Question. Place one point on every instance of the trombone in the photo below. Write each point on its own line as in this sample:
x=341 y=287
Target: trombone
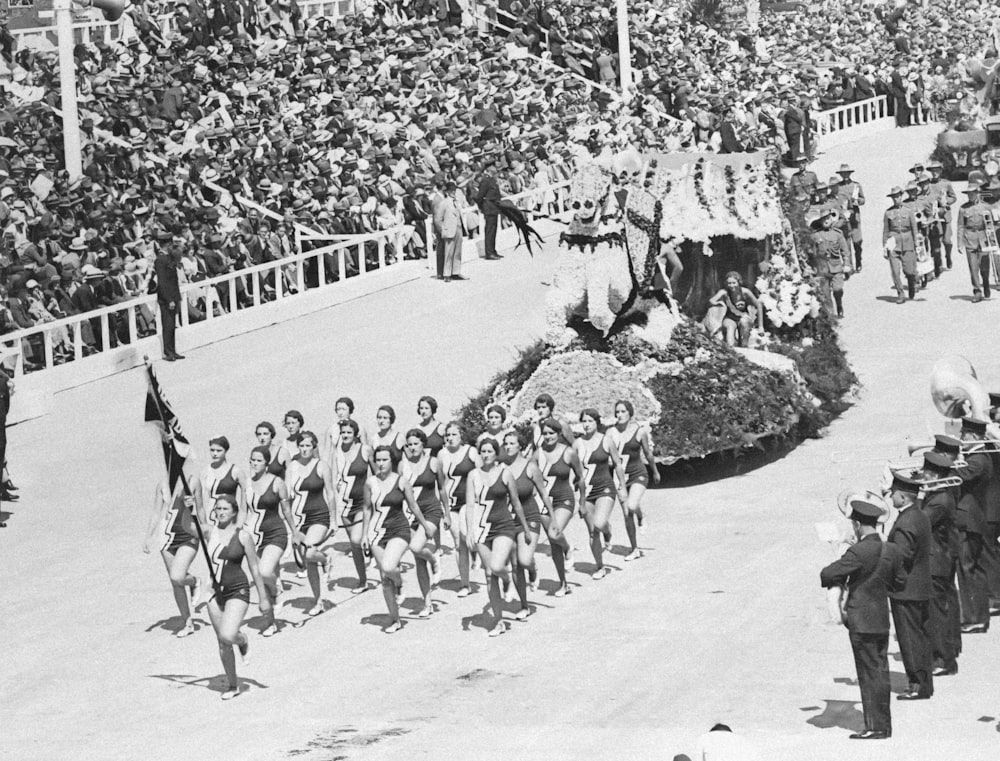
x=980 y=446
x=928 y=485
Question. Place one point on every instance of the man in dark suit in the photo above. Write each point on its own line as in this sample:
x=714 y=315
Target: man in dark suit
x=7 y=489
x=869 y=570
x=976 y=476
x=911 y=533
x=168 y=297
x=487 y=199
x=897 y=89
x=939 y=505
x=793 y=123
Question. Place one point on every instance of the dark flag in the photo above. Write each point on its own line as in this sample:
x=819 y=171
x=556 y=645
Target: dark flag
x=175 y=444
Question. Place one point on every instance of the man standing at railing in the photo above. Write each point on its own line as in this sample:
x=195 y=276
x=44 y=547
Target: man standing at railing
x=487 y=199
x=448 y=221
x=168 y=297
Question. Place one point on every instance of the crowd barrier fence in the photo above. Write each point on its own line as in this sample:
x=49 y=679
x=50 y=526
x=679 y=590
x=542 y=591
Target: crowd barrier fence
x=852 y=120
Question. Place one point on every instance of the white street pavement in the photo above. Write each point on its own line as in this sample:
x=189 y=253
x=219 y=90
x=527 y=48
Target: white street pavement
x=723 y=620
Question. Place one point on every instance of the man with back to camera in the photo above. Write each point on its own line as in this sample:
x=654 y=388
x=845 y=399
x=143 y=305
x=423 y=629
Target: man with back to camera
x=168 y=297
x=869 y=569
x=488 y=199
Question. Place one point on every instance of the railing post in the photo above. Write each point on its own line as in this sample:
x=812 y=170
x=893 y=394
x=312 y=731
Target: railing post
x=320 y=270
x=381 y=252
x=185 y=317
x=362 y=258
x=342 y=262
x=300 y=275
x=279 y=285
x=47 y=346
x=78 y=339
x=133 y=328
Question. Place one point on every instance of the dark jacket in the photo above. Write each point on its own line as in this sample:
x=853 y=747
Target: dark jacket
x=976 y=477
x=167 y=287
x=939 y=507
x=869 y=574
x=488 y=195
x=912 y=534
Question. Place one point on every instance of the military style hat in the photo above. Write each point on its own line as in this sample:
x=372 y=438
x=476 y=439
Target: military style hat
x=905 y=484
x=947 y=445
x=938 y=463
x=974 y=425
x=864 y=511
x=896 y=191
x=845 y=169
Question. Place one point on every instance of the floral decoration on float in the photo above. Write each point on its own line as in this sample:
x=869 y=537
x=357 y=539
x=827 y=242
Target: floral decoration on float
x=614 y=329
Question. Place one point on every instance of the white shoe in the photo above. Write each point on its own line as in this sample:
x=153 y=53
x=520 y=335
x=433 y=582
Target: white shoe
x=509 y=593
x=245 y=651
x=196 y=593
x=279 y=599
x=499 y=629
x=634 y=554
x=300 y=574
x=563 y=591
x=608 y=546
x=316 y=609
x=425 y=612
x=464 y=592
x=522 y=614
x=600 y=573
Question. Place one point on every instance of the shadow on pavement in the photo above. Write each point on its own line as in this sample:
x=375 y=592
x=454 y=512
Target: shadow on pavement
x=839 y=713
x=216 y=683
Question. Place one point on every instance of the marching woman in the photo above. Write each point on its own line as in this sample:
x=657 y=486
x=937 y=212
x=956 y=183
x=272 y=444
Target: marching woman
x=424 y=473
x=351 y=466
x=293 y=424
x=636 y=452
x=427 y=408
x=173 y=523
x=343 y=408
x=228 y=546
x=267 y=502
x=601 y=466
x=496 y=417
x=545 y=407
x=220 y=477
x=494 y=518
x=458 y=460
x=386 y=434
x=528 y=478
x=278 y=459
x=559 y=463
x=387 y=528
x=311 y=489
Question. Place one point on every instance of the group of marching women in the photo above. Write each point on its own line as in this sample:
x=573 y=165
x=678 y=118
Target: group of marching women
x=395 y=492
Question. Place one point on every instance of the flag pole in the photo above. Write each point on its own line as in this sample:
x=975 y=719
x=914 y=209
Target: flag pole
x=184 y=483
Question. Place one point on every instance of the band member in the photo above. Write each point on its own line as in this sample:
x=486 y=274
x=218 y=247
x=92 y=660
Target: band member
x=944 y=194
x=869 y=570
x=972 y=241
x=899 y=233
x=853 y=198
x=911 y=533
x=972 y=583
x=939 y=505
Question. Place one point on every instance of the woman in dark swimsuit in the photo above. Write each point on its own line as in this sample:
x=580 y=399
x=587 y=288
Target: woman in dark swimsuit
x=530 y=482
x=387 y=528
x=220 y=477
x=427 y=408
x=228 y=546
x=267 y=503
x=277 y=463
x=311 y=488
x=737 y=300
x=636 y=452
x=601 y=467
x=173 y=524
x=386 y=434
x=494 y=518
x=496 y=424
x=458 y=460
x=351 y=466
x=559 y=464
x=424 y=473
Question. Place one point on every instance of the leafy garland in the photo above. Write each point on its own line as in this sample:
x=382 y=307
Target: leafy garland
x=582 y=241
x=730 y=173
x=652 y=230
x=699 y=187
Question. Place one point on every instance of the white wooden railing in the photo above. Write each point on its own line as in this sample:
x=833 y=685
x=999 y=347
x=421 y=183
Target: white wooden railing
x=92 y=30
x=852 y=119
x=260 y=286
x=331 y=9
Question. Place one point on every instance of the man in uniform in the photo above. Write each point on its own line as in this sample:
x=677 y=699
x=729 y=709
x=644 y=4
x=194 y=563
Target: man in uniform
x=945 y=197
x=869 y=570
x=831 y=258
x=899 y=230
x=911 y=533
x=976 y=475
x=853 y=196
x=939 y=505
x=804 y=178
x=971 y=241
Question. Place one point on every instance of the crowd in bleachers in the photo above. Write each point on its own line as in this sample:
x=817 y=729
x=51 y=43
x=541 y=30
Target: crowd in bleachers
x=346 y=126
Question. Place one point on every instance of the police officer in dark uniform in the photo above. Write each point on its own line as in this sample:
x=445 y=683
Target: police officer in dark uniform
x=938 y=503
x=976 y=475
x=971 y=241
x=869 y=569
x=831 y=258
x=911 y=533
x=900 y=225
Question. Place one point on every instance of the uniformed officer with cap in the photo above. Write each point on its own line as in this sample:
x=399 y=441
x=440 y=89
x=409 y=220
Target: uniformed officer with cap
x=899 y=226
x=804 y=179
x=976 y=475
x=870 y=570
x=831 y=258
x=853 y=198
x=939 y=504
x=971 y=241
x=931 y=226
x=921 y=210
x=911 y=533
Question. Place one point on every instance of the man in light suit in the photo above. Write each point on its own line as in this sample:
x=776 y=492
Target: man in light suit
x=436 y=198
x=448 y=220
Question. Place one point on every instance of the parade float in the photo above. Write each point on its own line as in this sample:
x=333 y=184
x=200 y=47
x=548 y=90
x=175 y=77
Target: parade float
x=650 y=241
